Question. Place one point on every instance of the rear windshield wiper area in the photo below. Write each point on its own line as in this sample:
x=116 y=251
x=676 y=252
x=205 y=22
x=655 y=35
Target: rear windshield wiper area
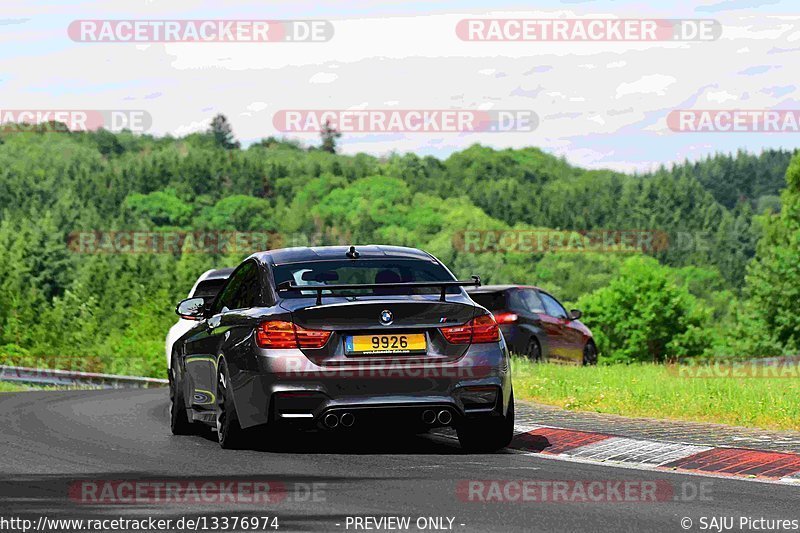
x=401 y=287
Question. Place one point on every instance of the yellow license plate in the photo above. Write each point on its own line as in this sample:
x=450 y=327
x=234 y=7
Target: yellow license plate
x=379 y=344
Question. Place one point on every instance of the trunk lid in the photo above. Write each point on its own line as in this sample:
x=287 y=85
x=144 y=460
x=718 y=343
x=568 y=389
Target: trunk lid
x=367 y=316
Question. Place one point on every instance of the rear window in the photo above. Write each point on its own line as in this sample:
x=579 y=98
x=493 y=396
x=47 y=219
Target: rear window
x=360 y=271
x=493 y=301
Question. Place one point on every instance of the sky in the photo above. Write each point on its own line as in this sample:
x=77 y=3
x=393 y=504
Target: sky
x=599 y=104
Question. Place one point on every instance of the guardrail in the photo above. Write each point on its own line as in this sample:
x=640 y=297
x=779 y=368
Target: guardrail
x=68 y=378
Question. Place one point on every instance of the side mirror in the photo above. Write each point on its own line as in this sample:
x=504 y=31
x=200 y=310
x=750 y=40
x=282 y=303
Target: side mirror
x=575 y=314
x=191 y=308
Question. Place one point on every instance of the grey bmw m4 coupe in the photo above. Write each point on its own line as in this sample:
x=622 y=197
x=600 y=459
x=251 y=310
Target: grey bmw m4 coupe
x=339 y=339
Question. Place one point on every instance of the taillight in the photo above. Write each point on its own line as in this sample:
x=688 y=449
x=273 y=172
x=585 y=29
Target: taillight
x=277 y=334
x=280 y=334
x=458 y=334
x=311 y=338
x=505 y=318
x=478 y=330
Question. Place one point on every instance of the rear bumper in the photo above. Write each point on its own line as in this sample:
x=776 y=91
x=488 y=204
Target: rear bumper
x=291 y=389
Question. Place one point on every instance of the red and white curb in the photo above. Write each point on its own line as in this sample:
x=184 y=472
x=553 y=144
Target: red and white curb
x=586 y=446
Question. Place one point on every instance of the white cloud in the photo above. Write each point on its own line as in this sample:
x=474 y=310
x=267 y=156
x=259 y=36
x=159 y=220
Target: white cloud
x=720 y=96
x=323 y=77
x=651 y=84
x=614 y=92
x=193 y=127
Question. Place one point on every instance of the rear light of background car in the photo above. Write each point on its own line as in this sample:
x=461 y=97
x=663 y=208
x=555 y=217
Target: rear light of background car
x=505 y=318
x=478 y=330
x=279 y=334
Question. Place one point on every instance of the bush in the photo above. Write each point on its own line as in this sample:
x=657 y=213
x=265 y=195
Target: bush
x=644 y=315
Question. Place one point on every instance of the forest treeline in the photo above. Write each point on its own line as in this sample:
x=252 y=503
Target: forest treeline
x=724 y=285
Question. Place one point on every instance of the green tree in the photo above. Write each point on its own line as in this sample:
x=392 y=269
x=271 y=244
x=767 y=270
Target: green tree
x=773 y=278
x=240 y=212
x=161 y=208
x=222 y=132
x=643 y=315
x=329 y=136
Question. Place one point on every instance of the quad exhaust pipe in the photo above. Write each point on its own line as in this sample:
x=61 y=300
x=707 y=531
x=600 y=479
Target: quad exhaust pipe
x=347 y=420
x=331 y=420
x=430 y=417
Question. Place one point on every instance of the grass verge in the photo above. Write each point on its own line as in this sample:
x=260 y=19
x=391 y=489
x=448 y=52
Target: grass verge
x=11 y=387
x=653 y=391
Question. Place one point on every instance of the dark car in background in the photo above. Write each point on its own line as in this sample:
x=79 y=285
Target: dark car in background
x=536 y=325
x=336 y=339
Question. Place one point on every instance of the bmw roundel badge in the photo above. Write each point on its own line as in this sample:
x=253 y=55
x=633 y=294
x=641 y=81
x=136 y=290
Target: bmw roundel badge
x=386 y=317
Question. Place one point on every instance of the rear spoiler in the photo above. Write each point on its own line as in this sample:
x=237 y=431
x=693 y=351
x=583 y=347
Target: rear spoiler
x=441 y=285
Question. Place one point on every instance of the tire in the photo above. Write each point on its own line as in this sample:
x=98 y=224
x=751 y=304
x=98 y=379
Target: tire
x=179 y=422
x=589 y=354
x=484 y=436
x=534 y=351
x=229 y=433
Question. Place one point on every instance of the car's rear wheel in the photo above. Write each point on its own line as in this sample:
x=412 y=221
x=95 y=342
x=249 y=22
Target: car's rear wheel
x=179 y=422
x=534 y=350
x=229 y=433
x=589 y=354
x=487 y=435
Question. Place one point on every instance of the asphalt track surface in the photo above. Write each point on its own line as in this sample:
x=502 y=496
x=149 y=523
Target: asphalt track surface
x=50 y=440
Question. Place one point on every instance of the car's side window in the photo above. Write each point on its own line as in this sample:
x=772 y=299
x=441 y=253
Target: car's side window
x=552 y=307
x=532 y=301
x=515 y=301
x=525 y=300
x=228 y=298
x=249 y=292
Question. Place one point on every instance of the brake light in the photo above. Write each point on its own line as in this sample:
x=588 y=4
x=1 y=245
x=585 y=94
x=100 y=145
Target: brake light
x=311 y=338
x=478 y=330
x=458 y=334
x=281 y=335
x=505 y=318
x=277 y=334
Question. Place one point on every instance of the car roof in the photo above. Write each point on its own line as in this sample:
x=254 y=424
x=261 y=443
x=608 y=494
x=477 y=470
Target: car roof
x=216 y=273
x=284 y=256
x=498 y=288
x=213 y=274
